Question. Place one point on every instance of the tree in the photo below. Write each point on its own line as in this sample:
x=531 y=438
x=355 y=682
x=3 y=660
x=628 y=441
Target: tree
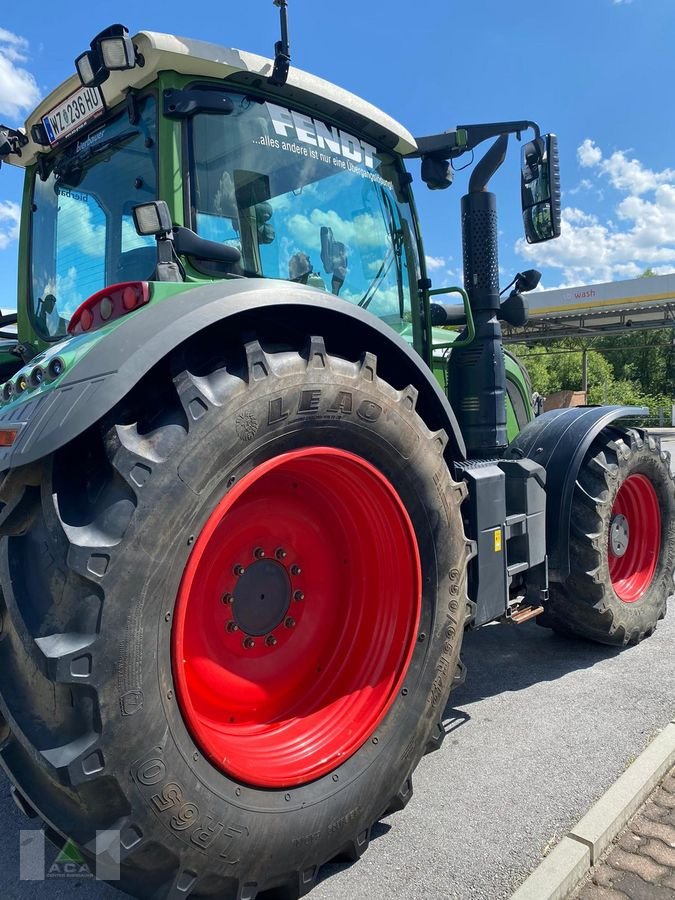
x=618 y=370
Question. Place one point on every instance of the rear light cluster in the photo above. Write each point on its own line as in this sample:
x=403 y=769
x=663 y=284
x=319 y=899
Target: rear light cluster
x=32 y=377
x=109 y=304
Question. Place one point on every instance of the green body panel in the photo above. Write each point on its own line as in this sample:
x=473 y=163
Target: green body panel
x=26 y=332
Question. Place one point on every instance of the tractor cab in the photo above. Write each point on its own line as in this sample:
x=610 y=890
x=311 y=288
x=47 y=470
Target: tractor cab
x=308 y=186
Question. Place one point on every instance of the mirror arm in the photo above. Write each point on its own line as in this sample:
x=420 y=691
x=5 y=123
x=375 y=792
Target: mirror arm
x=451 y=144
x=479 y=133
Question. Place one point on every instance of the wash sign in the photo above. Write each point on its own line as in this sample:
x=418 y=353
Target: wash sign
x=292 y=125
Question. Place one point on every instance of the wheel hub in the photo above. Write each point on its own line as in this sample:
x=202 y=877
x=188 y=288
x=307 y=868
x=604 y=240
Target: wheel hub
x=632 y=563
x=301 y=562
x=619 y=535
x=261 y=597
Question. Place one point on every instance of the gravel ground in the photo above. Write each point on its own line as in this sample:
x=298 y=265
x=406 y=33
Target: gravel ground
x=541 y=728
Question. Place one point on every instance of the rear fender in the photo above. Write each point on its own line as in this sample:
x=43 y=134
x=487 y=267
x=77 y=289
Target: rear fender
x=52 y=416
x=559 y=440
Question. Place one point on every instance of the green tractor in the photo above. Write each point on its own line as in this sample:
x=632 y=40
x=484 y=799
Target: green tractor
x=253 y=492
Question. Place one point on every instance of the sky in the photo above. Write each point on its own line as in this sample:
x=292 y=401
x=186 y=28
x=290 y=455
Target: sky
x=598 y=73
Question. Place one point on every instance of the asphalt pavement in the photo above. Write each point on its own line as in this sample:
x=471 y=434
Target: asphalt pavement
x=541 y=728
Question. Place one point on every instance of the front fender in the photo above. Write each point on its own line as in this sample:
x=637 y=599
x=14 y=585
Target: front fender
x=558 y=440
x=52 y=416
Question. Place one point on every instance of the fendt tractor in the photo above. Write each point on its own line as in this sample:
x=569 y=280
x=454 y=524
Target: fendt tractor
x=258 y=477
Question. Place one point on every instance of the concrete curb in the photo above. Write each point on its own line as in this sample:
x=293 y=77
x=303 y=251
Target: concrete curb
x=562 y=870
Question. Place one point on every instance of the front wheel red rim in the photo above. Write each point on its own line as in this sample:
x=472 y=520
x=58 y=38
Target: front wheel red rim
x=296 y=617
x=634 y=538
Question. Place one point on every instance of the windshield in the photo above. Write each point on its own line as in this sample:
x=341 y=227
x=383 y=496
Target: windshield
x=83 y=235
x=306 y=202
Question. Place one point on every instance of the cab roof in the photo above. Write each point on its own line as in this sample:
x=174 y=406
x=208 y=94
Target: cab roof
x=166 y=52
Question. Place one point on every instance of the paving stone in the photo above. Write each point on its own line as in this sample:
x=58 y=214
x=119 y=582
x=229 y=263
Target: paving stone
x=603 y=876
x=660 y=853
x=634 y=887
x=665 y=799
x=664 y=832
x=669 y=783
x=653 y=811
x=595 y=892
x=646 y=868
x=630 y=842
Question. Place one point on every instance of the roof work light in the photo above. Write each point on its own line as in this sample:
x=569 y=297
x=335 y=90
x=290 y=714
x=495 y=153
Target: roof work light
x=111 y=50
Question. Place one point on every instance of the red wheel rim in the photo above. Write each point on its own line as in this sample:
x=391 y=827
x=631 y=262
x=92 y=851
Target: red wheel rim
x=632 y=572
x=283 y=670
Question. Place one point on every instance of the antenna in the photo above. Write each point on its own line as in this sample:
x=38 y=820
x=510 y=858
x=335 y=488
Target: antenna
x=282 y=54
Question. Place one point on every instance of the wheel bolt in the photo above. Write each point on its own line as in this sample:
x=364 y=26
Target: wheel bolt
x=280 y=553
x=296 y=570
x=248 y=643
x=290 y=622
x=298 y=595
x=270 y=640
x=228 y=598
x=239 y=570
x=259 y=553
x=232 y=627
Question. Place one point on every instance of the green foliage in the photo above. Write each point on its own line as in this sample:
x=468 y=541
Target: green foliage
x=633 y=369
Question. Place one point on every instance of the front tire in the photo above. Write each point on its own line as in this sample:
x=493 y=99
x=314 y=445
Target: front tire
x=622 y=544
x=149 y=676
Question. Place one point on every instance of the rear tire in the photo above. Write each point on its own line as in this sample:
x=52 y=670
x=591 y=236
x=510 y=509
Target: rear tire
x=622 y=543
x=99 y=732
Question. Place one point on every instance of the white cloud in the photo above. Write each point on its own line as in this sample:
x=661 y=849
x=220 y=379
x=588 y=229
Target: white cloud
x=588 y=154
x=77 y=225
x=18 y=88
x=364 y=230
x=641 y=236
x=584 y=186
x=435 y=262
x=623 y=173
x=9 y=222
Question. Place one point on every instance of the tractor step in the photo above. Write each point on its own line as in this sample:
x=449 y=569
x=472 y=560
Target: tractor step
x=525 y=614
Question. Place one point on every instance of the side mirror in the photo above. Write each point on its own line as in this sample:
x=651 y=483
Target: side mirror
x=540 y=189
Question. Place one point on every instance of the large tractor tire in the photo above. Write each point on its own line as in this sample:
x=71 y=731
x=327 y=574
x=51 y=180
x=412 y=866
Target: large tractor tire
x=232 y=621
x=622 y=543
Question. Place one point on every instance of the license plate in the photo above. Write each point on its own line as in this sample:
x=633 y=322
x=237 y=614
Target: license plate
x=74 y=113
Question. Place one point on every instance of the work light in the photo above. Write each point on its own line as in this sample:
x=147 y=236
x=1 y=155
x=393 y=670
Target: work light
x=111 y=50
x=85 y=69
x=118 y=52
x=152 y=218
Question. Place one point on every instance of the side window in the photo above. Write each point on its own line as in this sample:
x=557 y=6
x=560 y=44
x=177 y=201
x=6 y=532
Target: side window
x=80 y=255
x=82 y=234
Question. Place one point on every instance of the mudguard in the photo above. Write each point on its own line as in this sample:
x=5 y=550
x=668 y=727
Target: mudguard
x=52 y=416
x=558 y=441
